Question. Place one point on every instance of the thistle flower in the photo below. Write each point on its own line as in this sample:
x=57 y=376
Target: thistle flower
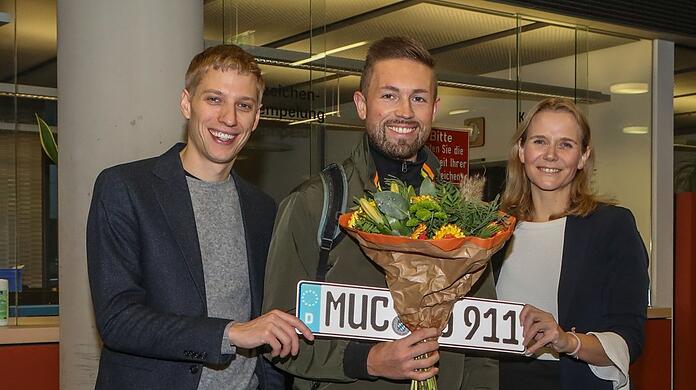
x=471 y=187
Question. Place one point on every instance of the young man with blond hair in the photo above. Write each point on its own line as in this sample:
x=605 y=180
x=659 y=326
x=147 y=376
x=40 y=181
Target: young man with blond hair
x=176 y=249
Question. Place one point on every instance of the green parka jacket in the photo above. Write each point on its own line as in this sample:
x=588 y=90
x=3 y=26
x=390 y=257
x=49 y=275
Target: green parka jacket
x=293 y=256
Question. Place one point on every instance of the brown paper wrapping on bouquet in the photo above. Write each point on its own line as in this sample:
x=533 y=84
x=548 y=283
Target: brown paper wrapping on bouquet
x=426 y=277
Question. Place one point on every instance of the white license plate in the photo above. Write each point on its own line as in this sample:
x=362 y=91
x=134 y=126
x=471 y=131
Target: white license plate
x=359 y=312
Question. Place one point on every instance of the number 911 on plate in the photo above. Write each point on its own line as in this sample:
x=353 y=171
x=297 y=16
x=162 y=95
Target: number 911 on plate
x=359 y=312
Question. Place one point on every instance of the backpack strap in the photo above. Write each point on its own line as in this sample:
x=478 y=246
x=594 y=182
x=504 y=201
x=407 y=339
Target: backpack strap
x=333 y=179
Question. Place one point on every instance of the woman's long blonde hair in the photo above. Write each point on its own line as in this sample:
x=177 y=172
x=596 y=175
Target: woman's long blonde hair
x=517 y=197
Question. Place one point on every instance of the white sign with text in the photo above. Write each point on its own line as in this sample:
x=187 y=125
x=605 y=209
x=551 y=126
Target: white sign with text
x=359 y=312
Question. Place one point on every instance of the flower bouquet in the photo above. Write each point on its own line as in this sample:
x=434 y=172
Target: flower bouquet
x=433 y=246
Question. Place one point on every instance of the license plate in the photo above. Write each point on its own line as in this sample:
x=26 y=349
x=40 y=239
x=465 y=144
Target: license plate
x=367 y=313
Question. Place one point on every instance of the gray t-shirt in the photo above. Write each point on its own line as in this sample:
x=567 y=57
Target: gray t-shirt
x=223 y=251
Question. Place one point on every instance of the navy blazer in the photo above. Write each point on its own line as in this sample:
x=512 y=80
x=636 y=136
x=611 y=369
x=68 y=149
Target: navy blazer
x=146 y=276
x=603 y=285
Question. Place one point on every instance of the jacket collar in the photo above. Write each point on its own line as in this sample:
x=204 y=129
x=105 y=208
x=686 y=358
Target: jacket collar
x=175 y=200
x=168 y=166
x=576 y=240
x=365 y=164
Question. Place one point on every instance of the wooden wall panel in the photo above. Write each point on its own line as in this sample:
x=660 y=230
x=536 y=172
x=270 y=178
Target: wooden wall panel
x=30 y=366
x=685 y=291
x=652 y=369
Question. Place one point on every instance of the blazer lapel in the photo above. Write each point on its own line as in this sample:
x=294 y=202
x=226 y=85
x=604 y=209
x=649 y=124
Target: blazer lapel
x=575 y=243
x=252 y=233
x=175 y=200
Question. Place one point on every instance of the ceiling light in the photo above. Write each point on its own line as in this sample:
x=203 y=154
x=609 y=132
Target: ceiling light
x=312 y=119
x=635 y=130
x=629 y=88
x=460 y=111
x=28 y=95
x=245 y=37
x=329 y=52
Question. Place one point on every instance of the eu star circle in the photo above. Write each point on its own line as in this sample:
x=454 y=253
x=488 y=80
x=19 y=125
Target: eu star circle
x=310 y=298
x=398 y=327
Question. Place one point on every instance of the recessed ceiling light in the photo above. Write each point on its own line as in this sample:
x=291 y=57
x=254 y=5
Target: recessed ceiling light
x=457 y=112
x=635 y=130
x=629 y=88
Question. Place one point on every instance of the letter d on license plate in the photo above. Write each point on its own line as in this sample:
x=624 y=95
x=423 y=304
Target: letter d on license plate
x=359 y=312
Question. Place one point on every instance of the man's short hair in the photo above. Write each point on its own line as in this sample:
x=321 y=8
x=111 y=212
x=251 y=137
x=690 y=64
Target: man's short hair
x=395 y=48
x=223 y=58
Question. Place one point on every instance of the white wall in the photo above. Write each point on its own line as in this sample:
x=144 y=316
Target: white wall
x=624 y=160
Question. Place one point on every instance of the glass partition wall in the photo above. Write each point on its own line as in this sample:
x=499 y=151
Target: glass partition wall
x=492 y=67
x=28 y=182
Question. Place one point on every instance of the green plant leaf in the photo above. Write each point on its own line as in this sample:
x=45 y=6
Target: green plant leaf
x=48 y=143
x=427 y=187
x=398 y=228
x=392 y=204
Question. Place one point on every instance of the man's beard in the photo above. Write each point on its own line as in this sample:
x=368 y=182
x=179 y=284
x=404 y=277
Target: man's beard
x=400 y=150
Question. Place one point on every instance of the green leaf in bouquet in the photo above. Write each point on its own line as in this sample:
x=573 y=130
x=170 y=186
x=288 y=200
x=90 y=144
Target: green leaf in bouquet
x=367 y=225
x=440 y=215
x=449 y=196
x=384 y=229
x=424 y=214
x=399 y=228
x=478 y=218
x=488 y=231
x=427 y=187
x=426 y=204
x=392 y=204
x=412 y=222
x=398 y=186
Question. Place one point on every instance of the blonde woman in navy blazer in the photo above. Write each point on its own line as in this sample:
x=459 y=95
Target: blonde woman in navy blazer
x=599 y=267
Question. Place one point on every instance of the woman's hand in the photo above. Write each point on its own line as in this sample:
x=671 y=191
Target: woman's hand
x=540 y=327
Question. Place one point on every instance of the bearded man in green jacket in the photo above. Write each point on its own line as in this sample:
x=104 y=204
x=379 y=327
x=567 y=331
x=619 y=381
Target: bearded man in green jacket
x=397 y=100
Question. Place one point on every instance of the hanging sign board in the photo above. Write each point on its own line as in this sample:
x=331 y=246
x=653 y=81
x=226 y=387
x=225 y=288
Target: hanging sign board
x=452 y=149
x=359 y=312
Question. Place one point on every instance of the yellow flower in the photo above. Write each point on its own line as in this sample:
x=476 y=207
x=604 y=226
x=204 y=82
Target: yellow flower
x=419 y=198
x=448 y=231
x=420 y=233
x=353 y=219
x=370 y=209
